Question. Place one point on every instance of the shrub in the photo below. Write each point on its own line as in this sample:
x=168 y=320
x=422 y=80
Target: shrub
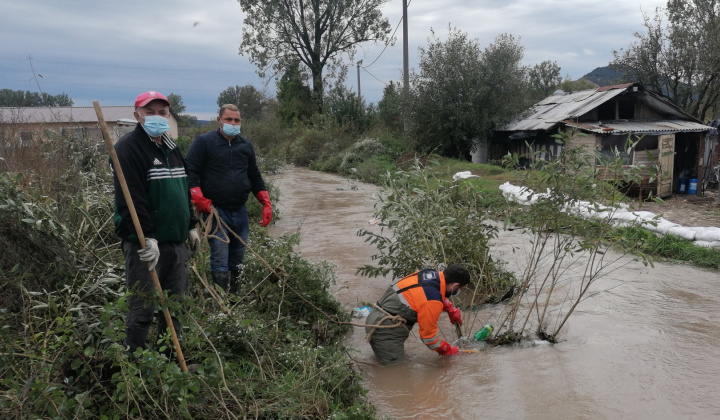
x=430 y=222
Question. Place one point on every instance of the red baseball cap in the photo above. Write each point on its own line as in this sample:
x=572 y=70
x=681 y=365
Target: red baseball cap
x=147 y=97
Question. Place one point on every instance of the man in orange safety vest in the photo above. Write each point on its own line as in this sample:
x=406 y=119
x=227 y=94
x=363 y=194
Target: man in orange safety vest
x=418 y=298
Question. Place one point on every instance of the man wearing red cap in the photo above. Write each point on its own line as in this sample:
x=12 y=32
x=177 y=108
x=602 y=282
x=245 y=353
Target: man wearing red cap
x=154 y=172
x=223 y=172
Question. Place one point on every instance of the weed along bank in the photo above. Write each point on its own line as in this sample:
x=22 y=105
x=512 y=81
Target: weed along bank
x=662 y=135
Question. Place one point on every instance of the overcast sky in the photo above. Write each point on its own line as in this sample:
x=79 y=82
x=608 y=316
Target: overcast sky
x=111 y=51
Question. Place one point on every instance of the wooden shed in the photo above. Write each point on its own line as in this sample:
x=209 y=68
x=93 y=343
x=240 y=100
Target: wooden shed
x=606 y=116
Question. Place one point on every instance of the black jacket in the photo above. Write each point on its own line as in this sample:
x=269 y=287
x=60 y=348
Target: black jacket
x=226 y=171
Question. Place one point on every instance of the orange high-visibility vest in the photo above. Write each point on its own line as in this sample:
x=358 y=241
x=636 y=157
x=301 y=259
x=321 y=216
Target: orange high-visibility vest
x=423 y=291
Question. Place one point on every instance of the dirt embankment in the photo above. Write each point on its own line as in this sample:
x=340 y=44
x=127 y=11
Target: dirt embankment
x=687 y=210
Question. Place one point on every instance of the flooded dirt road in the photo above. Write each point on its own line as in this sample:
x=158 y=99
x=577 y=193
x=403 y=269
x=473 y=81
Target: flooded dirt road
x=646 y=346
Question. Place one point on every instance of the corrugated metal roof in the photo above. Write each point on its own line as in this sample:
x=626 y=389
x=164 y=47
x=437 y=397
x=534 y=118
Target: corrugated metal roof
x=553 y=110
x=63 y=114
x=638 y=126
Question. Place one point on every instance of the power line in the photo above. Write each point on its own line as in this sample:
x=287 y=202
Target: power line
x=373 y=76
x=387 y=44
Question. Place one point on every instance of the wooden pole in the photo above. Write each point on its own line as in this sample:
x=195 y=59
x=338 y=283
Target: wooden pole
x=138 y=230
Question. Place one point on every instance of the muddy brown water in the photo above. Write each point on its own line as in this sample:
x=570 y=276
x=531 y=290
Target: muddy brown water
x=646 y=346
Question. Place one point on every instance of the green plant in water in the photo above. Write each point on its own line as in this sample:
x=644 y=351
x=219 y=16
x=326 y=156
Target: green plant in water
x=570 y=228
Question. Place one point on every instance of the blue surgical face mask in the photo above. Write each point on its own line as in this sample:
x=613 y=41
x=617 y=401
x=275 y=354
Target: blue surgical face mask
x=156 y=125
x=230 y=130
x=457 y=292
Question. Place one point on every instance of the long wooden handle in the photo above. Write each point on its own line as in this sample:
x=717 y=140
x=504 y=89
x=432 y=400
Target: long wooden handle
x=138 y=230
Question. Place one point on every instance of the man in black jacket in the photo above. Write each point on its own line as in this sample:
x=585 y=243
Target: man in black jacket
x=154 y=172
x=223 y=172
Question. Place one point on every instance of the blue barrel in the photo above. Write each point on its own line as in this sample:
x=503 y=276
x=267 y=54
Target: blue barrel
x=692 y=188
x=682 y=186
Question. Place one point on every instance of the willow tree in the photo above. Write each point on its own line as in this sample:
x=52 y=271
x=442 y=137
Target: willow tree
x=317 y=33
x=679 y=58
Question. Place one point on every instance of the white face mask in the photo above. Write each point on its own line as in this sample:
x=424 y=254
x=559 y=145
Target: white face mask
x=457 y=292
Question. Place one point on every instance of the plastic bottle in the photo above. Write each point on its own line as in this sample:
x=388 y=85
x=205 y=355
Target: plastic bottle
x=484 y=332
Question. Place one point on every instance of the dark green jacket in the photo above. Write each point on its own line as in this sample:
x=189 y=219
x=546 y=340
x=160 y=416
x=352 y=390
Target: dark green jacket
x=158 y=184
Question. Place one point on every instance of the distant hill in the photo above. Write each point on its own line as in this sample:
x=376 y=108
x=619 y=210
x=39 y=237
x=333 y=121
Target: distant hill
x=604 y=76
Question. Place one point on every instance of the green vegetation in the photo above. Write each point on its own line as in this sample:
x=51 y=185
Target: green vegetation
x=20 y=98
x=272 y=351
x=430 y=222
x=670 y=58
x=482 y=90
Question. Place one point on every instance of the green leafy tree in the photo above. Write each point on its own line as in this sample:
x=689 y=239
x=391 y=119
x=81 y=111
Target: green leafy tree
x=252 y=102
x=20 y=98
x=569 y=85
x=462 y=93
x=294 y=96
x=319 y=34
x=177 y=106
x=61 y=99
x=678 y=59
x=347 y=110
x=544 y=79
x=389 y=110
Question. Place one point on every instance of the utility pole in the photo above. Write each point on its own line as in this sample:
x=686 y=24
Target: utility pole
x=358 y=75
x=406 y=71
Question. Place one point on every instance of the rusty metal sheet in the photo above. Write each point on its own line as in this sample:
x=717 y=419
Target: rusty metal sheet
x=638 y=126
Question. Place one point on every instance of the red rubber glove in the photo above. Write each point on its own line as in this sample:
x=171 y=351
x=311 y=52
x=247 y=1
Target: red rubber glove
x=446 y=349
x=264 y=199
x=453 y=312
x=202 y=204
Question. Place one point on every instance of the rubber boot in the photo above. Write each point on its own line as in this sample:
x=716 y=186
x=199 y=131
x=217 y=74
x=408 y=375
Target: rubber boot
x=234 y=281
x=222 y=279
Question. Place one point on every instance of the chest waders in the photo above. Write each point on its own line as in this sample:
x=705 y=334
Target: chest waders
x=388 y=344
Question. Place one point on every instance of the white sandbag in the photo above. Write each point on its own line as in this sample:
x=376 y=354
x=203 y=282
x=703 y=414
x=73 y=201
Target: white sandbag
x=684 y=232
x=708 y=234
x=663 y=226
x=706 y=244
x=644 y=215
x=708 y=237
x=463 y=175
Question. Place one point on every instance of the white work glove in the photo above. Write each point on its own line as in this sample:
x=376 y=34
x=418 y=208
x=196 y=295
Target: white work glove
x=194 y=238
x=150 y=253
